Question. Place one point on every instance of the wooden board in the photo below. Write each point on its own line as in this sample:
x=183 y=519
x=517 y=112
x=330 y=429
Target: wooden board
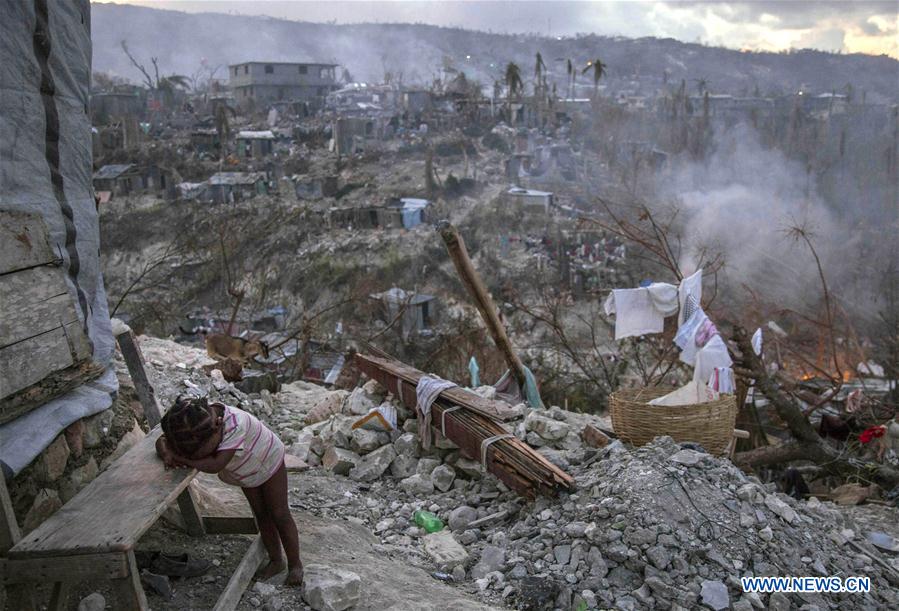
x=37 y=301
x=23 y=242
x=66 y=568
x=54 y=385
x=29 y=361
x=241 y=577
x=113 y=511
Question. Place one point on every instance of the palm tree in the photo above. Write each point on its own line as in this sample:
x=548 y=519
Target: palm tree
x=599 y=71
x=539 y=68
x=514 y=84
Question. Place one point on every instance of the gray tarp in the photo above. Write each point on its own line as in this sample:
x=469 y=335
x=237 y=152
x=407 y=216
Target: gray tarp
x=45 y=168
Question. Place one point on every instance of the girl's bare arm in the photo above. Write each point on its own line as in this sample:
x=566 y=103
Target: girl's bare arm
x=209 y=464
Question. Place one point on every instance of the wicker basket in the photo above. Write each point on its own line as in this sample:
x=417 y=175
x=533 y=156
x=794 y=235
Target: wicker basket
x=636 y=422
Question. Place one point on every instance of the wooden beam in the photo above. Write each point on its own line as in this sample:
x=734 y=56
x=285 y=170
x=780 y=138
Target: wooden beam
x=9 y=528
x=136 y=369
x=187 y=504
x=23 y=242
x=455 y=245
x=241 y=577
x=59 y=596
x=66 y=568
x=128 y=591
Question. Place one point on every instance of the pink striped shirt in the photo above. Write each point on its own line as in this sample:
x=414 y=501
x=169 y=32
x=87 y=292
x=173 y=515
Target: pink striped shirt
x=259 y=451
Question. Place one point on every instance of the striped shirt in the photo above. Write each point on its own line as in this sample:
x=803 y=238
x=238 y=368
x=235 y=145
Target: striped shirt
x=259 y=451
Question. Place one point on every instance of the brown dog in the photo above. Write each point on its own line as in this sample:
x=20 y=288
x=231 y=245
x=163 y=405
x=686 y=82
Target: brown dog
x=221 y=347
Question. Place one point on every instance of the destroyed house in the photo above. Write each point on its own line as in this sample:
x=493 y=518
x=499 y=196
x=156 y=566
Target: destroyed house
x=397 y=213
x=107 y=107
x=264 y=83
x=416 y=309
x=205 y=140
x=255 y=144
x=530 y=200
x=417 y=100
x=353 y=134
x=128 y=178
x=229 y=187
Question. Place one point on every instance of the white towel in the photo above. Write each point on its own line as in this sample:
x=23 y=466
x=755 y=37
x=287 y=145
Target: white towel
x=635 y=313
x=689 y=287
x=427 y=391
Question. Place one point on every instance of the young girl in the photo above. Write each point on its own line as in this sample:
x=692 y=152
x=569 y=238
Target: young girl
x=216 y=438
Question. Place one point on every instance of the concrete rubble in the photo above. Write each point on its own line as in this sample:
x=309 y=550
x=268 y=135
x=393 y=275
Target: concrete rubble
x=654 y=527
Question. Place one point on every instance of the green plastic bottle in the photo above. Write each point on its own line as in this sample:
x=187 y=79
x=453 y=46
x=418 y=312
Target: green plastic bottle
x=428 y=521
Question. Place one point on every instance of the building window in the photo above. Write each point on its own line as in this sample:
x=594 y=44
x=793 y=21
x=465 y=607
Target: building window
x=246 y=69
x=235 y=70
x=269 y=69
x=304 y=69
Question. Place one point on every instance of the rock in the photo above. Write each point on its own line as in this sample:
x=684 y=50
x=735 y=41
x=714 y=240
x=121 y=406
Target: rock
x=780 y=508
x=75 y=437
x=359 y=402
x=594 y=438
x=127 y=441
x=92 y=602
x=562 y=553
x=688 y=457
x=330 y=589
x=257 y=382
x=218 y=380
x=444 y=551
x=461 y=517
x=537 y=593
x=459 y=573
x=325 y=408
x=45 y=504
x=407 y=445
x=470 y=468
x=714 y=595
x=404 y=465
x=52 y=461
x=778 y=601
x=372 y=465
x=492 y=559
x=442 y=477
x=302 y=447
x=85 y=474
x=548 y=428
x=265 y=590
x=293 y=464
x=363 y=441
x=442 y=443
x=659 y=557
x=340 y=461
x=575 y=530
x=597 y=563
x=426 y=466
x=417 y=485
x=96 y=428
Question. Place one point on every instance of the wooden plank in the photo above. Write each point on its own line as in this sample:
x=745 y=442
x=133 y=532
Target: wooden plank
x=54 y=385
x=9 y=528
x=31 y=360
x=66 y=568
x=59 y=596
x=23 y=241
x=128 y=591
x=241 y=577
x=34 y=301
x=192 y=520
x=135 y=362
x=230 y=525
x=113 y=511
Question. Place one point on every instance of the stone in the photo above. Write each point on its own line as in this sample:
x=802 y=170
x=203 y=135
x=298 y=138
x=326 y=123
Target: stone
x=442 y=477
x=461 y=517
x=265 y=590
x=426 y=466
x=492 y=559
x=52 y=461
x=687 y=457
x=659 y=557
x=778 y=601
x=327 y=588
x=74 y=434
x=96 y=428
x=293 y=464
x=340 y=461
x=363 y=441
x=407 y=445
x=598 y=566
x=92 y=602
x=780 y=508
x=444 y=551
x=742 y=605
x=257 y=382
x=594 y=438
x=325 y=408
x=85 y=474
x=549 y=429
x=417 y=485
x=575 y=530
x=127 y=442
x=443 y=443
x=359 y=402
x=459 y=573
x=372 y=465
x=403 y=466
x=45 y=504
x=714 y=595
x=470 y=468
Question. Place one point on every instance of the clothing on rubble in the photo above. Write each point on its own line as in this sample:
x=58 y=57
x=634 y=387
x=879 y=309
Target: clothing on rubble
x=427 y=391
x=641 y=311
x=722 y=380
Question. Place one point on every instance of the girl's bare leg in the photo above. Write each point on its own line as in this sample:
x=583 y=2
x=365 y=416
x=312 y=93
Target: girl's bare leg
x=274 y=492
x=268 y=530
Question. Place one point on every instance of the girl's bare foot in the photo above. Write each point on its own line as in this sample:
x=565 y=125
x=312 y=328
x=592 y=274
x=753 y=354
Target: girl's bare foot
x=294 y=576
x=270 y=570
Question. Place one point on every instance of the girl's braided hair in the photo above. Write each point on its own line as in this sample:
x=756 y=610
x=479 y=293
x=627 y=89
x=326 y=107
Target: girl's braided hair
x=189 y=423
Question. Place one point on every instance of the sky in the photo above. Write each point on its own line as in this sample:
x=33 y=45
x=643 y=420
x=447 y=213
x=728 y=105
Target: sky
x=848 y=26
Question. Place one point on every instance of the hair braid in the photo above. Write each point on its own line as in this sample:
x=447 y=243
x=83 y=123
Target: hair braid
x=189 y=423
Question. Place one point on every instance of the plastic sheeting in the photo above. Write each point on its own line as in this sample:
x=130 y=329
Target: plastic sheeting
x=45 y=168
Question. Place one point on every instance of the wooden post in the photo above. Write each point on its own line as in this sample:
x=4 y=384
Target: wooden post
x=455 y=245
x=128 y=591
x=147 y=396
x=18 y=595
x=241 y=577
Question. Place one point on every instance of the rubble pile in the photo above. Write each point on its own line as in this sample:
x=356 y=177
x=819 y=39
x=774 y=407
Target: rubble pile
x=662 y=526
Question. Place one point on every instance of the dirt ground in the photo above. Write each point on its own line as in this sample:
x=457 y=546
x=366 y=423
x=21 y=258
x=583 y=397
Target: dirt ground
x=392 y=578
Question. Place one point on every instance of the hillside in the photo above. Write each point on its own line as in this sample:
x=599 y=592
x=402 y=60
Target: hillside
x=182 y=40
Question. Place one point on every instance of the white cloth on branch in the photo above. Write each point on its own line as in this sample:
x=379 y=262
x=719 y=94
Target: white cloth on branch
x=427 y=391
x=722 y=380
x=690 y=286
x=713 y=354
x=641 y=311
x=686 y=336
x=757 y=341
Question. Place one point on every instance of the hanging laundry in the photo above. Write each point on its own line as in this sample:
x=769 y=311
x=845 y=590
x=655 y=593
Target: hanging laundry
x=687 y=334
x=757 y=341
x=689 y=287
x=722 y=380
x=664 y=297
x=427 y=391
x=713 y=354
x=635 y=313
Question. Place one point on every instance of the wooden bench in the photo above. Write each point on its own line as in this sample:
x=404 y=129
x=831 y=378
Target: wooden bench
x=93 y=535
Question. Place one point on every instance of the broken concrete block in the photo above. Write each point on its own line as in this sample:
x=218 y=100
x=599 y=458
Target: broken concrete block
x=427 y=465
x=328 y=588
x=359 y=403
x=444 y=551
x=340 y=461
x=492 y=559
x=714 y=595
x=327 y=407
x=417 y=484
x=442 y=477
x=470 y=468
x=407 y=444
x=780 y=508
x=403 y=466
x=364 y=441
x=371 y=466
x=548 y=428
x=461 y=517
x=594 y=438
x=294 y=464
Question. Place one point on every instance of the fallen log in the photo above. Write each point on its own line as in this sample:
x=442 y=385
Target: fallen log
x=471 y=422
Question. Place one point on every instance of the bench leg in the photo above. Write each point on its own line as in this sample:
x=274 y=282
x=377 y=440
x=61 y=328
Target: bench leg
x=188 y=505
x=60 y=596
x=128 y=591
